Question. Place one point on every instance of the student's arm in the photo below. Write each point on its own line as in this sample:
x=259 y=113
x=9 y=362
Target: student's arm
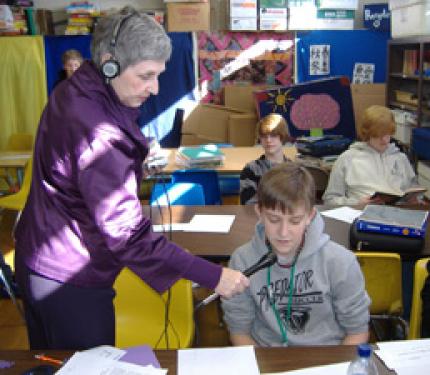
x=241 y=340
x=355 y=339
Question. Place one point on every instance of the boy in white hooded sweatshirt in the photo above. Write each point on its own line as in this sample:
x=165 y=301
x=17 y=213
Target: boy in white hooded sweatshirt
x=314 y=294
x=372 y=165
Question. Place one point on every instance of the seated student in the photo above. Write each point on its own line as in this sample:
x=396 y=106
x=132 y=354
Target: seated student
x=314 y=294
x=372 y=165
x=72 y=60
x=272 y=132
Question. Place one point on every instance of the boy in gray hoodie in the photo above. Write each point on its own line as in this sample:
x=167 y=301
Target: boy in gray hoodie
x=314 y=294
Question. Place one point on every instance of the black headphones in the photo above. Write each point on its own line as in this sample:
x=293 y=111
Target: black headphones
x=111 y=68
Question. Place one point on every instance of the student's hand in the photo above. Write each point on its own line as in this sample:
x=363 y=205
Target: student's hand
x=369 y=200
x=231 y=282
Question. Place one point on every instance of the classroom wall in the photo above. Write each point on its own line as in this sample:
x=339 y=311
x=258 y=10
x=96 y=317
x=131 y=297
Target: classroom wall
x=158 y=4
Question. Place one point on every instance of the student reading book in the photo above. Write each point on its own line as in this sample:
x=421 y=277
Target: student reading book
x=372 y=165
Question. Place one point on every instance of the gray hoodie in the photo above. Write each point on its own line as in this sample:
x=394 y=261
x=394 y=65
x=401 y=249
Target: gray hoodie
x=329 y=300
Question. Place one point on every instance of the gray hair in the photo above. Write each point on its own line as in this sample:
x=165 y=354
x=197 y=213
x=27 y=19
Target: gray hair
x=139 y=38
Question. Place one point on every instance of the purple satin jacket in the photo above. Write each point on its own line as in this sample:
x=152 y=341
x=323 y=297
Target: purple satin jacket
x=83 y=221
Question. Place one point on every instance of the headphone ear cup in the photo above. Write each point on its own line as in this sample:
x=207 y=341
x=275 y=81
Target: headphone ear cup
x=110 y=69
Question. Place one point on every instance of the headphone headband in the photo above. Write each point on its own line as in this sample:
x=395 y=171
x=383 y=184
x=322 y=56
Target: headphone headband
x=111 y=68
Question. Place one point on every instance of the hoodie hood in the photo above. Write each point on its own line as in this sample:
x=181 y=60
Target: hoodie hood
x=315 y=238
x=364 y=146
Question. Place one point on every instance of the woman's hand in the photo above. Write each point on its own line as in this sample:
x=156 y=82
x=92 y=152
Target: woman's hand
x=231 y=282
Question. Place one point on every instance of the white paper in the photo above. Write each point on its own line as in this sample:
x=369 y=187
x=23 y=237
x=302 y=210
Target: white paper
x=319 y=59
x=87 y=363
x=346 y=214
x=215 y=361
x=106 y=351
x=336 y=369
x=176 y=227
x=211 y=223
x=363 y=73
x=408 y=355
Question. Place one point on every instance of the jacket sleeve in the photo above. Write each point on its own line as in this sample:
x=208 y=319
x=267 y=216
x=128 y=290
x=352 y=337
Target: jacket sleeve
x=109 y=185
x=350 y=300
x=239 y=311
x=248 y=185
x=336 y=190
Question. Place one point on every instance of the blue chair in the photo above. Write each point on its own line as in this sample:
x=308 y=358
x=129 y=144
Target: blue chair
x=173 y=193
x=206 y=177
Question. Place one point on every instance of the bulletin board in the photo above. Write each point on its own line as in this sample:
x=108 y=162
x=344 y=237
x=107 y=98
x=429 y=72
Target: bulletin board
x=347 y=47
x=245 y=57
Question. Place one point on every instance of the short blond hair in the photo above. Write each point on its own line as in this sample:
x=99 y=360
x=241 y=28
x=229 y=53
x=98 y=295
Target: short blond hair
x=273 y=124
x=71 y=54
x=377 y=121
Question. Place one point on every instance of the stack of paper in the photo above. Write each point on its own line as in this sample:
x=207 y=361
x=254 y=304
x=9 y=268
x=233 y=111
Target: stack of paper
x=108 y=360
x=204 y=156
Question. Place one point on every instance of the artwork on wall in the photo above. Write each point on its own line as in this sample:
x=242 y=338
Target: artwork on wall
x=248 y=58
x=312 y=108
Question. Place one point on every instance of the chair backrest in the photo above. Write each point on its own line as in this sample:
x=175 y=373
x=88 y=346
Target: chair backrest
x=206 y=177
x=321 y=177
x=383 y=278
x=20 y=142
x=17 y=201
x=140 y=313
x=420 y=275
x=179 y=193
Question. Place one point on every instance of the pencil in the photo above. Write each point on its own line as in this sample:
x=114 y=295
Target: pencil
x=45 y=358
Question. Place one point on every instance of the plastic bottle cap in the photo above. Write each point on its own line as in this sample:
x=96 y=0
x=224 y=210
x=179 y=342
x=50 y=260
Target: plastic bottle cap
x=364 y=350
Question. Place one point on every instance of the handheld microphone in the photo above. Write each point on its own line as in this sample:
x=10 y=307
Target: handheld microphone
x=265 y=261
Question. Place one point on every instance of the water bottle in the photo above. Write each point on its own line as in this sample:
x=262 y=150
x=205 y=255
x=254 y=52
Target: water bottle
x=363 y=364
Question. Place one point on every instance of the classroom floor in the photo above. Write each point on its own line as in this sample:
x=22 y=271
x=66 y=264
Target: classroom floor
x=13 y=333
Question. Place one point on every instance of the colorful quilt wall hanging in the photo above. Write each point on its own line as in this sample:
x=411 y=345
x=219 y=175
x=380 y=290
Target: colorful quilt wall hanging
x=243 y=58
x=312 y=108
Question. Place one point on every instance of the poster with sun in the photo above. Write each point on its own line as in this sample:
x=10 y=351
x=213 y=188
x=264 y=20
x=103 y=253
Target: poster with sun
x=312 y=108
x=242 y=58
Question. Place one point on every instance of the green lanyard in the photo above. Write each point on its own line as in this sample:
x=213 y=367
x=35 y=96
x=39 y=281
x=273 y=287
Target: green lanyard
x=290 y=300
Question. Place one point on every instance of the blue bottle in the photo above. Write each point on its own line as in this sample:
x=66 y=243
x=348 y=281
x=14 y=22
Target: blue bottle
x=363 y=364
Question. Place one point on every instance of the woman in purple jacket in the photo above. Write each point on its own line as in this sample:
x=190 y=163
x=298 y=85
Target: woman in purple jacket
x=83 y=221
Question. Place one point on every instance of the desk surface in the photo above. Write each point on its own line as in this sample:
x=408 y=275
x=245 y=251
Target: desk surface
x=14 y=159
x=269 y=359
x=235 y=158
x=218 y=245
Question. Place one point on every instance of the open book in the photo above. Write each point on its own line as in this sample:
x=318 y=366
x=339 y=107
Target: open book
x=394 y=197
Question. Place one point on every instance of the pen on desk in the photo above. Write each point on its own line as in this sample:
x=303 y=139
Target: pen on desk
x=43 y=357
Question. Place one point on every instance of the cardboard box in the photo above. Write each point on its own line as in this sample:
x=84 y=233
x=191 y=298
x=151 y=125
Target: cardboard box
x=241 y=129
x=243 y=8
x=209 y=123
x=365 y=95
x=188 y=17
x=337 y=4
x=273 y=19
x=241 y=96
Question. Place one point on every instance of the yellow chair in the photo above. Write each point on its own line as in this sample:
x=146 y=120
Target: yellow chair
x=20 y=142
x=383 y=278
x=17 y=201
x=420 y=275
x=140 y=314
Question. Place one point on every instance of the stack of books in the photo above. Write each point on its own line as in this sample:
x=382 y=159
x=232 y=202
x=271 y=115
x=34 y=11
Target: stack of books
x=393 y=220
x=203 y=156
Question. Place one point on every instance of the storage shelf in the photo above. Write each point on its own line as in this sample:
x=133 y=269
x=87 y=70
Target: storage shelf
x=401 y=105
x=404 y=76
